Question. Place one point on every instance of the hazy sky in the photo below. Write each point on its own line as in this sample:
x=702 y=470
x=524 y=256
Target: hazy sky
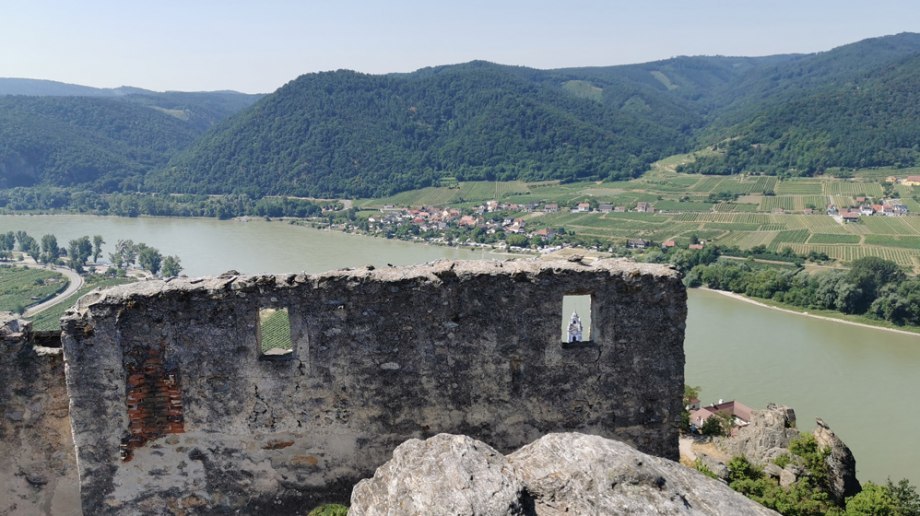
x=258 y=46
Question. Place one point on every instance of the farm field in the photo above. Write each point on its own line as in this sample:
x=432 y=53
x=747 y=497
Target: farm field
x=742 y=210
x=21 y=287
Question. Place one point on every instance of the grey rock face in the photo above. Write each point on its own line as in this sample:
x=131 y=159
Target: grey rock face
x=561 y=474
x=575 y=473
x=445 y=474
x=841 y=463
x=767 y=435
x=38 y=470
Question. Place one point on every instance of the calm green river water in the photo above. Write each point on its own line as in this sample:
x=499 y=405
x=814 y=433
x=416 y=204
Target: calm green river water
x=863 y=382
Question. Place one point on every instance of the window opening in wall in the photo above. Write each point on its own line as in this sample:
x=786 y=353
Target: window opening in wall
x=275 y=333
x=576 y=319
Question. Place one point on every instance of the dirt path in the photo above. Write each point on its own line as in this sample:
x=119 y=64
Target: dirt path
x=75 y=283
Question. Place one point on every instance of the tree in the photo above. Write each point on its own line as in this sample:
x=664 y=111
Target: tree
x=97 y=247
x=171 y=266
x=906 y=497
x=50 y=250
x=79 y=250
x=714 y=425
x=124 y=255
x=869 y=275
x=7 y=241
x=873 y=500
x=149 y=258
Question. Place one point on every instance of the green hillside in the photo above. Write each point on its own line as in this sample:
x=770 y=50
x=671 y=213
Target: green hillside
x=344 y=133
x=872 y=120
x=107 y=143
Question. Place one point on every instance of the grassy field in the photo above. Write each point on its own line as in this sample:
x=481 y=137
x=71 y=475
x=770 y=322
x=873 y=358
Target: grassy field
x=50 y=318
x=685 y=209
x=21 y=287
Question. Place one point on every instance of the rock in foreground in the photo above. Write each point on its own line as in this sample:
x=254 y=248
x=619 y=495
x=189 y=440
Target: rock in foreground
x=564 y=473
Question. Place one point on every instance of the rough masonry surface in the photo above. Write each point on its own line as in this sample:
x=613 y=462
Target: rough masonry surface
x=174 y=405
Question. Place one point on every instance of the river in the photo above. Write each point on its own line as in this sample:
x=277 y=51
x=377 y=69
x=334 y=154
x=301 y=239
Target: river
x=861 y=381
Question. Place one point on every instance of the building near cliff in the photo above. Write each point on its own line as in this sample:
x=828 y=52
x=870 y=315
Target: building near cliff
x=273 y=393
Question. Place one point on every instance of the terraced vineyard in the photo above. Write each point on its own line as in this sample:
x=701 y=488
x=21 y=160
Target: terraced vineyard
x=700 y=206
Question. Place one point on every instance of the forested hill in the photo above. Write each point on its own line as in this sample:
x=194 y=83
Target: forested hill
x=68 y=135
x=349 y=134
x=345 y=133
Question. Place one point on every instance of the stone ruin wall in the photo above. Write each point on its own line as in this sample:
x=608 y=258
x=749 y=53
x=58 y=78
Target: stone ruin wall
x=173 y=405
x=38 y=471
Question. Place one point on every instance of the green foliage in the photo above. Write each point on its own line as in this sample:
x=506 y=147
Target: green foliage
x=872 y=286
x=149 y=258
x=329 y=509
x=702 y=468
x=873 y=500
x=906 y=496
x=714 y=426
x=78 y=251
x=782 y=460
x=477 y=121
x=50 y=251
x=104 y=143
x=171 y=266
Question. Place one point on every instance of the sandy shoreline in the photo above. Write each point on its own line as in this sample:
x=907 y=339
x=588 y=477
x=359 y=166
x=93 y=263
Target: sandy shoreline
x=746 y=299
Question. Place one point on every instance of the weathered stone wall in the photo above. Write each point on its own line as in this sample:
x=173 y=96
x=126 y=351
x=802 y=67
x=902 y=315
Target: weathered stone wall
x=38 y=472
x=172 y=404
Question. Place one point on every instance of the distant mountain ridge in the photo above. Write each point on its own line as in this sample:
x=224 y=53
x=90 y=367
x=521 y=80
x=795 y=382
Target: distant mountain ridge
x=60 y=134
x=349 y=134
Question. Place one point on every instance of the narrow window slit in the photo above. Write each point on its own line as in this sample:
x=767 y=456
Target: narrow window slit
x=576 y=319
x=275 y=341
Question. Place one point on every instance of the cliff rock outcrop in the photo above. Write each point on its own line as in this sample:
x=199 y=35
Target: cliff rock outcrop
x=840 y=462
x=562 y=473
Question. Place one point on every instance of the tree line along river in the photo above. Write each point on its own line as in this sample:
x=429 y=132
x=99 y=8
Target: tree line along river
x=863 y=382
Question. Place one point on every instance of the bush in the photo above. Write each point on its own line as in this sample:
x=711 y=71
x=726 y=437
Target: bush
x=329 y=509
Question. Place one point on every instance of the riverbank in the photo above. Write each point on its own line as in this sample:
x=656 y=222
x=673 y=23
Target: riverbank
x=741 y=297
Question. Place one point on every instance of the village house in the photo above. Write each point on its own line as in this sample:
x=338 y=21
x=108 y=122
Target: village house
x=551 y=208
x=637 y=243
x=605 y=207
x=911 y=181
x=468 y=220
x=620 y=209
x=738 y=413
x=850 y=216
x=866 y=210
x=668 y=244
x=644 y=207
x=695 y=247
x=582 y=207
x=545 y=233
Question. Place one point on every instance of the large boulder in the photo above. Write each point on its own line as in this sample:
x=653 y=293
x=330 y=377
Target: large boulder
x=767 y=435
x=566 y=473
x=840 y=462
x=446 y=474
x=572 y=473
